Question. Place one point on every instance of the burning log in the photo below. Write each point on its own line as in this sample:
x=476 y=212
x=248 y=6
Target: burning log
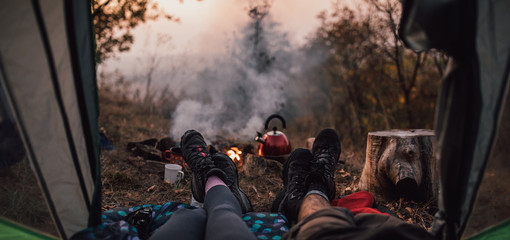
x=151 y=149
x=235 y=154
x=400 y=163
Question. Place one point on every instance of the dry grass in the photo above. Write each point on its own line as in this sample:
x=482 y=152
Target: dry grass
x=22 y=200
x=129 y=181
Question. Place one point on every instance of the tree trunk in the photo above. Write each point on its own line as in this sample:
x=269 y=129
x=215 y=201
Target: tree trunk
x=400 y=163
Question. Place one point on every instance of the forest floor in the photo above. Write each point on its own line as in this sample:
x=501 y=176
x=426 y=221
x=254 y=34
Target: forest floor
x=130 y=180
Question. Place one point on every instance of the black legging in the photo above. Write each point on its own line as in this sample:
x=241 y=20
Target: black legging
x=220 y=219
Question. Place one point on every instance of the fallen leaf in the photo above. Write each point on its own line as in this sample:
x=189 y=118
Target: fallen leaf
x=409 y=210
x=151 y=188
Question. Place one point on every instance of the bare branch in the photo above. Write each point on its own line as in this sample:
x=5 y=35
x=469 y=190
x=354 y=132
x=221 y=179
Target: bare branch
x=417 y=65
x=100 y=8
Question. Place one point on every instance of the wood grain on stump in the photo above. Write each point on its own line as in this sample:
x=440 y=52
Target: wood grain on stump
x=400 y=163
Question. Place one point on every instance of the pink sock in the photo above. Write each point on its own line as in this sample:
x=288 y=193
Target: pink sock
x=213 y=181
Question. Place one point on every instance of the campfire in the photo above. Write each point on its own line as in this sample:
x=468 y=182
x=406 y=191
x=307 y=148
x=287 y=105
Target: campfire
x=235 y=154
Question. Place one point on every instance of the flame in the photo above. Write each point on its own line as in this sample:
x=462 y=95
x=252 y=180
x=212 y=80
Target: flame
x=235 y=154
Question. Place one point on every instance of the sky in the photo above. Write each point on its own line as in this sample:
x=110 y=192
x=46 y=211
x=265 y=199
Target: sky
x=204 y=18
x=206 y=26
x=202 y=61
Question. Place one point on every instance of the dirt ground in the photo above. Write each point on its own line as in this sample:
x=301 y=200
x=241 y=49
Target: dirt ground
x=129 y=180
x=132 y=180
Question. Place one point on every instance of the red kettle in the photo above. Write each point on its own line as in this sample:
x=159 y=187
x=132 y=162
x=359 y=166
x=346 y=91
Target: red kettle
x=274 y=144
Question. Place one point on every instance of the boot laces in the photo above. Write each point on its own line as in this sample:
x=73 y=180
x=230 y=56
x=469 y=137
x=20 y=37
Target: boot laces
x=197 y=158
x=298 y=186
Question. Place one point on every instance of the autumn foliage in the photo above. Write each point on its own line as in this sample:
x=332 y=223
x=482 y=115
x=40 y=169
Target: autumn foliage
x=368 y=80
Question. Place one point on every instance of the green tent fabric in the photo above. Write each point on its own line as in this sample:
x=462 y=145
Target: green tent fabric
x=9 y=230
x=47 y=71
x=475 y=33
x=499 y=232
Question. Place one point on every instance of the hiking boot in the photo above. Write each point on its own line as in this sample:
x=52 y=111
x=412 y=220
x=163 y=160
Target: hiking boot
x=195 y=153
x=224 y=163
x=326 y=152
x=295 y=184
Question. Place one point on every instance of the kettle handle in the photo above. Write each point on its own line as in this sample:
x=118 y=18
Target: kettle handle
x=275 y=116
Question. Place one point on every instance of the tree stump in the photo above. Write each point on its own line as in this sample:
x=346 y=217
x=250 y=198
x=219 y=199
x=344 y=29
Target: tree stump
x=400 y=163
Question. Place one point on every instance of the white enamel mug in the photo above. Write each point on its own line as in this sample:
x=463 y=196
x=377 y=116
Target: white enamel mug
x=173 y=173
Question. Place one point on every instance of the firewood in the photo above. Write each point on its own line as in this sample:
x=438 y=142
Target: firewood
x=400 y=163
x=147 y=152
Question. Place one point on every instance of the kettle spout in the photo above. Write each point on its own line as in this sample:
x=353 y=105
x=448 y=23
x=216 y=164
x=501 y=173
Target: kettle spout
x=259 y=138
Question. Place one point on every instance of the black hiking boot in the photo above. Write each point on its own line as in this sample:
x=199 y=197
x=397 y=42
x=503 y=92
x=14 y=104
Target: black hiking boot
x=195 y=153
x=225 y=163
x=295 y=184
x=326 y=152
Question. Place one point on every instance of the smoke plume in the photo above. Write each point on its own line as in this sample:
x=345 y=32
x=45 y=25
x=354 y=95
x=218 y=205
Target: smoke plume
x=233 y=94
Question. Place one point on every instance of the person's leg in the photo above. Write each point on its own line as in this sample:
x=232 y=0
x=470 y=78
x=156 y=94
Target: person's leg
x=308 y=179
x=340 y=223
x=309 y=175
x=195 y=153
x=326 y=152
x=295 y=184
x=184 y=223
x=215 y=182
x=325 y=223
x=312 y=203
x=225 y=203
x=225 y=163
x=318 y=220
x=224 y=213
x=203 y=165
